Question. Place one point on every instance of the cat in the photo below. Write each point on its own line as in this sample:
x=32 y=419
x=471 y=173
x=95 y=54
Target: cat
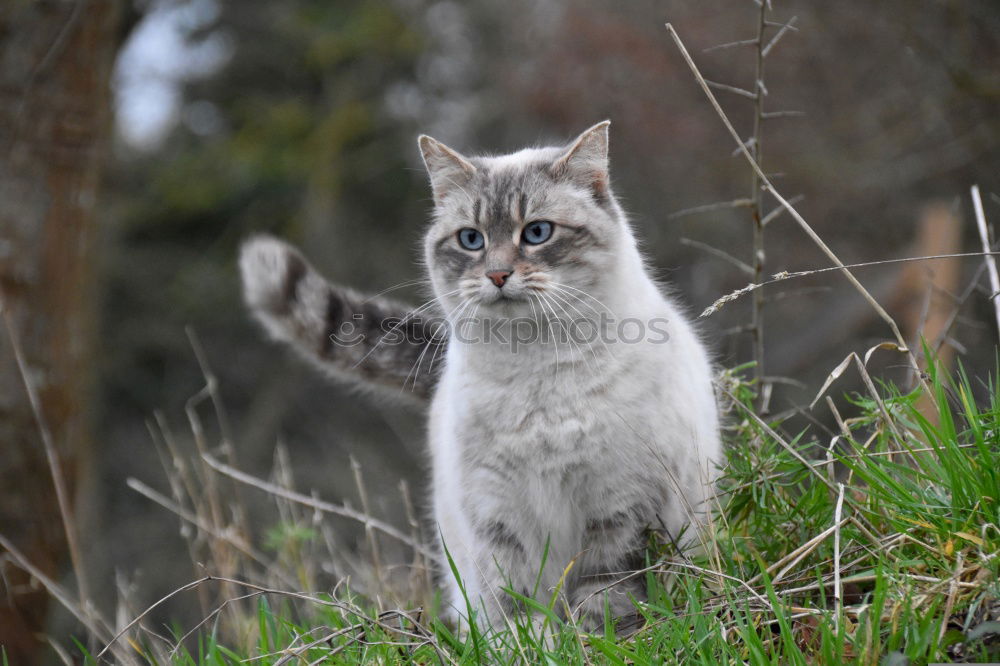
x=572 y=408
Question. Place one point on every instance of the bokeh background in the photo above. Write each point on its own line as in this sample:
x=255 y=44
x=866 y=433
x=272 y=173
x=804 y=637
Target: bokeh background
x=176 y=128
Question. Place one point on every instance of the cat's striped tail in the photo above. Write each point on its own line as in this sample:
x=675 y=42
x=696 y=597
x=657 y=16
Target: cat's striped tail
x=372 y=342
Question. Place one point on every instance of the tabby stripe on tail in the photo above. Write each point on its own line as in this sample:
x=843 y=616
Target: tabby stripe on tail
x=364 y=341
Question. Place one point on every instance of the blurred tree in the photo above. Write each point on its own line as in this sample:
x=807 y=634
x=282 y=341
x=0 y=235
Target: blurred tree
x=55 y=62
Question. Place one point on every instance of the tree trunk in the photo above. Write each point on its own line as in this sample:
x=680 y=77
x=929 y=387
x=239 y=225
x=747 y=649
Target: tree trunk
x=55 y=64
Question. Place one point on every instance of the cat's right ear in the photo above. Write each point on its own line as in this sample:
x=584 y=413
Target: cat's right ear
x=448 y=170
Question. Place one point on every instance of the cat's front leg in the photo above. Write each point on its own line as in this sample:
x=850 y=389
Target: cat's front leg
x=500 y=561
x=614 y=548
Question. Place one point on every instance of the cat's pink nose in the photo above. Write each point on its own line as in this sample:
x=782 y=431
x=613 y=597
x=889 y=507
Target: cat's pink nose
x=499 y=277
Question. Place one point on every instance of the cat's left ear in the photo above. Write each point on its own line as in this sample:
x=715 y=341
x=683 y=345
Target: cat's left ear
x=448 y=170
x=586 y=161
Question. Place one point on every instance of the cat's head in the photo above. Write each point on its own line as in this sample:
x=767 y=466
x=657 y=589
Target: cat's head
x=510 y=229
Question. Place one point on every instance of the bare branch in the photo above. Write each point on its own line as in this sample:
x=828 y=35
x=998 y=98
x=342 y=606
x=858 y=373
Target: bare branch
x=749 y=143
x=959 y=302
x=776 y=213
x=732 y=89
x=735 y=203
x=768 y=115
x=223 y=535
x=729 y=45
x=778 y=24
x=755 y=148
x=781 y=33
x=743 y=266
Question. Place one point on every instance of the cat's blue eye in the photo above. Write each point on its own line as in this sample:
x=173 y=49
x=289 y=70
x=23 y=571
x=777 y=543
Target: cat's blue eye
x=537 y=232
x=471 y=239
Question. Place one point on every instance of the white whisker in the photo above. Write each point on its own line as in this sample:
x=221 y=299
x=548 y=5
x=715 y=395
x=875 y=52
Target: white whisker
x=569 y=335
x=410 y=315
x=401 y=285
x=593 y=298
x=415 y=370
x=558 y=294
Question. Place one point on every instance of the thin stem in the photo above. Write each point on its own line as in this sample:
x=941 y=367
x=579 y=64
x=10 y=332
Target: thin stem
x=757 y=205
x=991 y=264
x=54 y=463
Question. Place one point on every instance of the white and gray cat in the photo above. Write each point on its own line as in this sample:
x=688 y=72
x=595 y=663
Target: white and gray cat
x=564 y=440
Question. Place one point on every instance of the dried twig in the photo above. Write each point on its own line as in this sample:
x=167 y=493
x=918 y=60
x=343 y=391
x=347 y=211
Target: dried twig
x=222 y=535
x=778 y=210
x=778 y=24
x=319 y=505
x=783 y=114
x=52 y=457
x=789 y=561
x=76 y=608
x=419 y=565
x=776 y=437
x=788 y=275
x=729 y=45
x=728 y=88
x=953 y=585
x=735 y=203
x=743 y=266
x=255 y=590
x=781 y=33
x=359 y=481
x=838 y=590
x=960 y=300
x=757 y=208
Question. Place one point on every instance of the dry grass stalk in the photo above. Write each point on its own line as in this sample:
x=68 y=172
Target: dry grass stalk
x=55 y=466
x=781 y=276
x=838 y=589
x=991 y=264
x=789 y=561
x=226 y=536
x=214 y=526
x=369 y=530
x=79 y=609
x=756 y=208
x=320 y=505
x=421 y=568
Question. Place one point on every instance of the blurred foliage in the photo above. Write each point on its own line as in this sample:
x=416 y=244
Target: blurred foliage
x=300 y=146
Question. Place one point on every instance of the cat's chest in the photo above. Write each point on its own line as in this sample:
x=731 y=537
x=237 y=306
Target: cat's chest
x=544 y=417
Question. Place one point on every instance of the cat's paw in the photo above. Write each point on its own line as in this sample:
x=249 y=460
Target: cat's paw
x=270 y=270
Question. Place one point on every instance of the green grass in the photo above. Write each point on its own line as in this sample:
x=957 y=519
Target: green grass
x=913 y=580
